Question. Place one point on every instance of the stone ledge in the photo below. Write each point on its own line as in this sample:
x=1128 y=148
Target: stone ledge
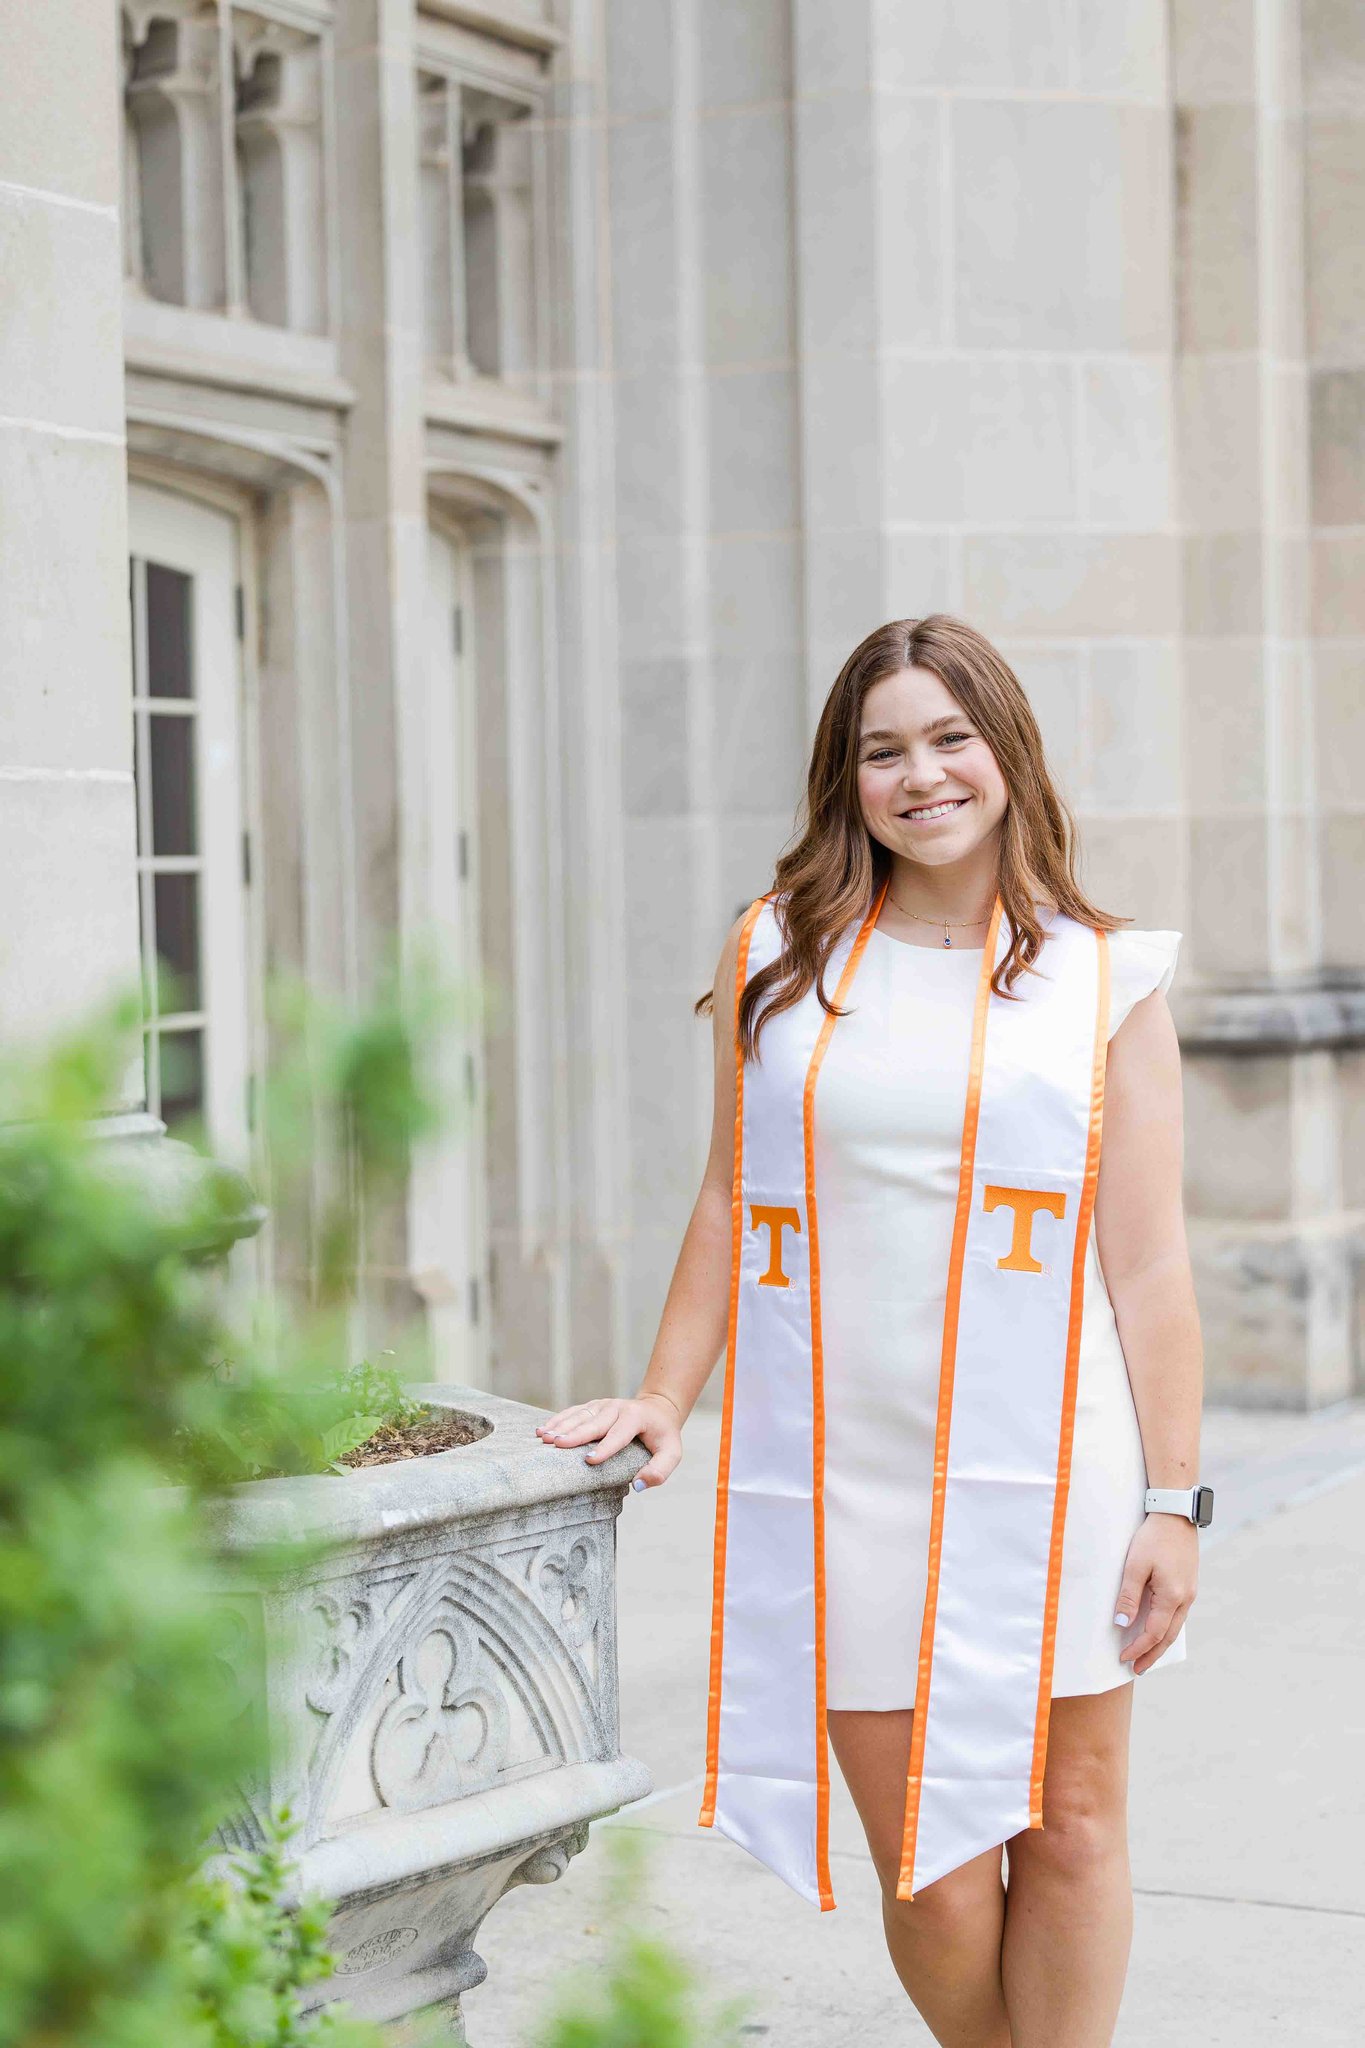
x=399 y=1847
x=509 y=1468
x=1268 y=1019
x=1277 y=1298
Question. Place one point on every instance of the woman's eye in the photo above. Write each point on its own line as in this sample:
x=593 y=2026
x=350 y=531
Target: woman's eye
x=951 y=738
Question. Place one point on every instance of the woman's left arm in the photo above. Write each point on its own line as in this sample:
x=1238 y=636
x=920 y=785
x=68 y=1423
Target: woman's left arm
x=1140 y=1237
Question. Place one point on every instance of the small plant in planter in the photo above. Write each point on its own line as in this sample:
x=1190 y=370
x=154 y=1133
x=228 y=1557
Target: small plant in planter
x=267 y=1429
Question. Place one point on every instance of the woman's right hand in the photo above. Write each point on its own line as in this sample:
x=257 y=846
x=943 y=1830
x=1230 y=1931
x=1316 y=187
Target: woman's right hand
x=612 y=1423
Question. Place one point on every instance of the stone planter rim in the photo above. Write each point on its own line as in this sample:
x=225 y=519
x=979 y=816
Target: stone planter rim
x=502 y=1469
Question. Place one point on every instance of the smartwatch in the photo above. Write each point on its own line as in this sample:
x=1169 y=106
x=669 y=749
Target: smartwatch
x=1195 y=1503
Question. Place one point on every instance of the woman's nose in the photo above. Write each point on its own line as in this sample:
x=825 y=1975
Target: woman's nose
x=923 y=773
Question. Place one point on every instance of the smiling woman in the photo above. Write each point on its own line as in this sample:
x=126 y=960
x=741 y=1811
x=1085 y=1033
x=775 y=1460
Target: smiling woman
x=959 y=1350
x=929 y=786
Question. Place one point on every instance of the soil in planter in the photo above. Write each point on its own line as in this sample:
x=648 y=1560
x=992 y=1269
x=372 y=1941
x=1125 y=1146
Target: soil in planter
x=435 y=1432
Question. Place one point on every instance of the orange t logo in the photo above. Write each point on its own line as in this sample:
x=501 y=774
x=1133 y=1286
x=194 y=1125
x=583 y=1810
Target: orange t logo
x=776 y=1220
x=1025 y=1202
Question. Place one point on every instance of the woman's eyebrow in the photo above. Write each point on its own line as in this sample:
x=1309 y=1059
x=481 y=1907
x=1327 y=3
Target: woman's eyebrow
x=934 y=725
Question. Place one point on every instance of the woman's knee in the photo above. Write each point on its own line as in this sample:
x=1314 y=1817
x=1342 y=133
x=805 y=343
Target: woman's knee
x=1084 y=1829
x=951 y=1908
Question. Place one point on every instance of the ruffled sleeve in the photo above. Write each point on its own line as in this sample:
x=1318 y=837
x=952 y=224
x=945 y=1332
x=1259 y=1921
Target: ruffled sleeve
x=1139 y=963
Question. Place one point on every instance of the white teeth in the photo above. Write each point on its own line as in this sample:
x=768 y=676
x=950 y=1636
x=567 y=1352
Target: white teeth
x=937 y=810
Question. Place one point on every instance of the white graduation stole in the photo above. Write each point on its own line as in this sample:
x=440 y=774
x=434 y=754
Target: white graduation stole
x=1007 y=1391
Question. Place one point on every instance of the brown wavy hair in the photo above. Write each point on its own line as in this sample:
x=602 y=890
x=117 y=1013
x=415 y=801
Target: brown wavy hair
x=827 y=877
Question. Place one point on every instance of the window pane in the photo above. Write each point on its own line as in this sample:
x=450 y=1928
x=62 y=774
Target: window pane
x=177 y=934
x=172 y=764
x=169 y=600
x=182 y=1076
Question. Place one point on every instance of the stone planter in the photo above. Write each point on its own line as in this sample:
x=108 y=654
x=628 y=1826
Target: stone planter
x=441 y=1689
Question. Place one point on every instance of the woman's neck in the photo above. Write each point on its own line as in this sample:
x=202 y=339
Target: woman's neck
x=958 y=890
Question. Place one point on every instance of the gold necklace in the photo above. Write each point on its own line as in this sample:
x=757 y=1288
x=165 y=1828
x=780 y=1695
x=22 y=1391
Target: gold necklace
x=948 y=923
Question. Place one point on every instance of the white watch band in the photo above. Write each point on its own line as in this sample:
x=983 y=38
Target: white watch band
x=1170 y=1500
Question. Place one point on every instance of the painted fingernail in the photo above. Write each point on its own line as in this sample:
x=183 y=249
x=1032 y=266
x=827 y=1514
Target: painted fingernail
x=638 y=1485
x=1122 y=1620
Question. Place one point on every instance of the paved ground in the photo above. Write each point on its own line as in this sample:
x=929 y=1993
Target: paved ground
x=1248 y=1789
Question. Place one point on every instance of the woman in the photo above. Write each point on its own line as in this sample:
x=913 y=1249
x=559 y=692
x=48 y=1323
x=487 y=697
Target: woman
x=933 y=831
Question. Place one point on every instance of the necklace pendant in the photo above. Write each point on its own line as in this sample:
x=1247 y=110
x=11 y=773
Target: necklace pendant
x=946 y=940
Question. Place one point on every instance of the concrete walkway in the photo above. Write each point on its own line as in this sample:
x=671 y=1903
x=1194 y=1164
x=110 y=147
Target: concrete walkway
x=1248 y=1788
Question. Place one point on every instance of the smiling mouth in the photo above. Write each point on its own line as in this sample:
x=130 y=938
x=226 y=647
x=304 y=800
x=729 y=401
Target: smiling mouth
x=926 y=813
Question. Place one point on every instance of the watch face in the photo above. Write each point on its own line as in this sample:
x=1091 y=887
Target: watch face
x=1203 y=1506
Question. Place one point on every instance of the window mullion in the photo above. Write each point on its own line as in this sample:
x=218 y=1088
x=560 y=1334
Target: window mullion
x=459 y=284
x=538 y=340
x=233 y=263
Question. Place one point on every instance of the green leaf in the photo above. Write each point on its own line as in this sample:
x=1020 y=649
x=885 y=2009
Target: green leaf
x=346 y=1435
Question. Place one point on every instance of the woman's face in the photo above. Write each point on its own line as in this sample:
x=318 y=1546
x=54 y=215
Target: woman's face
x=930 y=787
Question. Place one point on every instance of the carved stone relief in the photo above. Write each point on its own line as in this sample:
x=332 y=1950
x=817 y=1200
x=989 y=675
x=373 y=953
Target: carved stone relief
x=426 y=1684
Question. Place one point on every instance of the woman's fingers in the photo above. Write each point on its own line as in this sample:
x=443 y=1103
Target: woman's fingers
x=554 y=1422
x=583 y=1432
x=591 y=1417
x=609 y=1425
x=1159 y=1649
x=661 y=1465
x=1156 y=1626
x=568 y=1416
x=1129 y=1603
x=622 y=1432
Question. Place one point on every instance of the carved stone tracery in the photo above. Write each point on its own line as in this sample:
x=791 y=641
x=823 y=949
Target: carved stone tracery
x=446 y=1732
x=453 y=1676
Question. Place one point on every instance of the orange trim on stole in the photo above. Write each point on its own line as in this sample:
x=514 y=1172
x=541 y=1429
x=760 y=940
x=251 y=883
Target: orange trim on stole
x=817 y=1373
x=706 y=1817
x=962 y=1216
x=1073 y=1353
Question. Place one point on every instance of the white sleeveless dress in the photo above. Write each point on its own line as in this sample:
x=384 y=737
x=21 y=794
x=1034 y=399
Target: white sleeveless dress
x=888 y=1135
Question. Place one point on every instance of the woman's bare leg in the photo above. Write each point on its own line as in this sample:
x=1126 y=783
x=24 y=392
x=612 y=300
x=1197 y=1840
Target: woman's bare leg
x=945 y=1944
x=1069 y=1906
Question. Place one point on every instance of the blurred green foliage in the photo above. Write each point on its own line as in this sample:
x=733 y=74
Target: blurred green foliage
x=250 y=1952
x=644 y=1995
x=124 y=1735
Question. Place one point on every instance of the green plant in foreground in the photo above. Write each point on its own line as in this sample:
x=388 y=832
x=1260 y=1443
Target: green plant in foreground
x=645 y=1995
x=250 y=1954
x=128 y=1718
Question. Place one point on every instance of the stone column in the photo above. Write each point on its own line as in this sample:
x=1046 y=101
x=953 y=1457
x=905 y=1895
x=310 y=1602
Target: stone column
x=664 y=641
x=983 y=250
x=708 y=553
x=1333 y=62
x=68 y=908
x=381 y=357
x=1268 y=1020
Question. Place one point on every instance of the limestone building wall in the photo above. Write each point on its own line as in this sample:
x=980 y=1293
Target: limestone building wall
x=68 y=934
x=527 y=404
